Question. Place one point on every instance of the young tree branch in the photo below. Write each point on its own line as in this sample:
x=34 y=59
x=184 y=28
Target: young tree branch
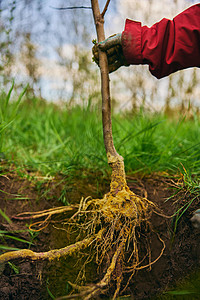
x=71 y=7
x=105 y=8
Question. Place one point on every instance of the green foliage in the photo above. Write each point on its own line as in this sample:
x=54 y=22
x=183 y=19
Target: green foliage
x=156 y=143
x=48 y=290
x=14 y=268
x=6 y=235
x=187 y=289
x=52 y=140
x=190 y=185
x=43 y=136
x=2 y=247
x=3 y=214
x=16 y=239
x=8 y=114
x=179 y=293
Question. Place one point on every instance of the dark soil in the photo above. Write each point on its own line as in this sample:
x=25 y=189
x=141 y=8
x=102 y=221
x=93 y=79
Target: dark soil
x=26 y=280
x=181 y=256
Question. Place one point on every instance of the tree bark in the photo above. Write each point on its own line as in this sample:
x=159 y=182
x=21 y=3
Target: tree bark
x=114 y=159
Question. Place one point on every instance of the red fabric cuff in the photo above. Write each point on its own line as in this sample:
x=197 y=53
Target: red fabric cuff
x=131 y=42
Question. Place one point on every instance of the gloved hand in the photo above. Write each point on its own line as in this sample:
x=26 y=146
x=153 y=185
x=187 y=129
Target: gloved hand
x=113 y=48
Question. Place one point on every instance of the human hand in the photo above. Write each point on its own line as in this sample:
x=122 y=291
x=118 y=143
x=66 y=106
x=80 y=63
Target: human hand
x=113 y=48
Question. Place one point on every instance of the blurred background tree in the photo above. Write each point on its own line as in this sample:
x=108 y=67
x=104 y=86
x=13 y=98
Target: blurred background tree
x=50 y=49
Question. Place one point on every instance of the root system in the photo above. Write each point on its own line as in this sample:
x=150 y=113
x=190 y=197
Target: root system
x=110 y=226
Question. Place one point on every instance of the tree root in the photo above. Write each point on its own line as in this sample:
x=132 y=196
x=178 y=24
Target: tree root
x=50 y=255
x=110 y=226
x=47 y=212
x=93 y=290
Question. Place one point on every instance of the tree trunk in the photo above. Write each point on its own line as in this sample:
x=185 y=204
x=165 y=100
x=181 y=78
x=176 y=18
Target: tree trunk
x=118 y=180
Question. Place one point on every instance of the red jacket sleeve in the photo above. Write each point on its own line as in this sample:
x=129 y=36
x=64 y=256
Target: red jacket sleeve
x=167 y=46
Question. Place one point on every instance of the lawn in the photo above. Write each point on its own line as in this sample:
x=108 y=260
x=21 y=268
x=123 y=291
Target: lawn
x=53 y=139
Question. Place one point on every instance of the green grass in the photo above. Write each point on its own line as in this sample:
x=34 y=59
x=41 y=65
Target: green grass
x=186 y=289
x=37 y=135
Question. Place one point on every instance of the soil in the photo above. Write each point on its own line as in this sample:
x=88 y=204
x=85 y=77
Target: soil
x=26 y=280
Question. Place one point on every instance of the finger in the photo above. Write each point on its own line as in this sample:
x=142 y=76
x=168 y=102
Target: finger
x=114 y=66
x=113 y=54
x=117 y=49
x=95 y=60
x=114 y=63
x=110 y=42
x=112 y=59
x=110 y=51
x=95 y=52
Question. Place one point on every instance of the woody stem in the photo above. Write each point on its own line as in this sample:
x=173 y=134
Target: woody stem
x=114 y=159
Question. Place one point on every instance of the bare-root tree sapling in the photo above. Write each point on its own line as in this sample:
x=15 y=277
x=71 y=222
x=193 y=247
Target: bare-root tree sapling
x=109 y=225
